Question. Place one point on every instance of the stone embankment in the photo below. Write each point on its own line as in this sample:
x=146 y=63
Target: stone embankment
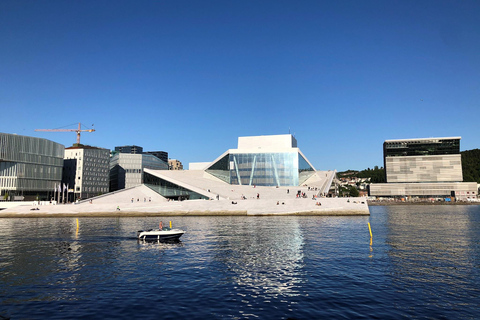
x=336 y=206
x=420 y=203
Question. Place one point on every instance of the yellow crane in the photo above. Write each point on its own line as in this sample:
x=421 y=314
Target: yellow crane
x=69 y=130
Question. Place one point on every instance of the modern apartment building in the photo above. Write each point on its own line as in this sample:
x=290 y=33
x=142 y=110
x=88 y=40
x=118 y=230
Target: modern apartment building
x=86 y=171
x=174 y=164
x=30 y=167
x=427 y=167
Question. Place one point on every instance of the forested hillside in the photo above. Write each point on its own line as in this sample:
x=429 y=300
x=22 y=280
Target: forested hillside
x=376 y=175
x=471 y=165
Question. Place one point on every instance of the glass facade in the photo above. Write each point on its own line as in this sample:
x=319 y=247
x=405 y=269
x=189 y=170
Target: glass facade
x=29 y=166
x=221 y=169
x=129 y=149
x=305 y=171
x=421 y=147
x=262 y=169
x=170 y=190
x=126 y=170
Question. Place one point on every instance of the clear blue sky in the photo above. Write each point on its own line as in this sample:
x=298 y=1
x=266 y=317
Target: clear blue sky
x=189 y=77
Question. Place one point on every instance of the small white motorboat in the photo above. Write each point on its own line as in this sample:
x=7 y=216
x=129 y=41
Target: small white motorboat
x=164 y=234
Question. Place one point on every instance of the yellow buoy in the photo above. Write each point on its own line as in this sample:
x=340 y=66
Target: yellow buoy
x=76 y=233
x=370 y=229
x=170 y=224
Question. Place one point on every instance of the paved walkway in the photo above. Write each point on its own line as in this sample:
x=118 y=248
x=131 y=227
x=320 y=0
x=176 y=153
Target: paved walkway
x=147 y=202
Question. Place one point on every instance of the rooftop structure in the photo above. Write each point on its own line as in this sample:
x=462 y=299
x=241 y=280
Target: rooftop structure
x=162 y=155
x=264 y=161
x=129 y=149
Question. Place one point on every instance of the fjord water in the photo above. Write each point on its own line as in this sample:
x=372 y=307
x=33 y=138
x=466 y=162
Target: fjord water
x=423 y=263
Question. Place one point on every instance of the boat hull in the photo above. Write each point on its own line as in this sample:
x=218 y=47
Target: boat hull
x=160 y=235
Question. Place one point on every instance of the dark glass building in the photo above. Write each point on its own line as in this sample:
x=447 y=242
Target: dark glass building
x=129 y=149
x=162 y=155
x=421 y=147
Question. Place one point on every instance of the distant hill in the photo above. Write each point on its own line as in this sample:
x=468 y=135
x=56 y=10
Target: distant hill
x=471 y=165
x=376 y=175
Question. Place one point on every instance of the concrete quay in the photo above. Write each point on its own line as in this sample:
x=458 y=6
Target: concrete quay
x=142 y=201
x=422 y=203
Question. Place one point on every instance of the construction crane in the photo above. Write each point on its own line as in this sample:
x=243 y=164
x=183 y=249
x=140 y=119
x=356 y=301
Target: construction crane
x=69 y=130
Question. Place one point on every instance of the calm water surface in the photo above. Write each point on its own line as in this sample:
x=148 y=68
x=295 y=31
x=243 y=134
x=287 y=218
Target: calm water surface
x=423 y=263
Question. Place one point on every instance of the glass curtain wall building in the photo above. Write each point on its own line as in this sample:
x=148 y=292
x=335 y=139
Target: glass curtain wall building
x=126 y=170
x=421 y=147
x=263 y=161
x=30 y=167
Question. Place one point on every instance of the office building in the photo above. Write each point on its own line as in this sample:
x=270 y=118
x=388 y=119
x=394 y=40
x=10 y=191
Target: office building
x=423 y=160
x=30 y=168
x=425 y=168
x=86 y=171
x=162 y=155
x=129 y=149
x=126 y=170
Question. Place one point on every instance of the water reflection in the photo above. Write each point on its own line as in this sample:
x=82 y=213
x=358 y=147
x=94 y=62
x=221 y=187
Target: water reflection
x=159 y=245
x=421 y=262
x=37 y=256
x=431 y=251
x=264 y=258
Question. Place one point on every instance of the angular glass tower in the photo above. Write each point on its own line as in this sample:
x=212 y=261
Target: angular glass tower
x=263 y=161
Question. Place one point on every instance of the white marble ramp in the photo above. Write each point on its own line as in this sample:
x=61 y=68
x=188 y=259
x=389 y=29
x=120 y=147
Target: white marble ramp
x=259 y=200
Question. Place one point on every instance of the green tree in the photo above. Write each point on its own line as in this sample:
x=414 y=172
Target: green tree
x=353 y=191
x=471 y=165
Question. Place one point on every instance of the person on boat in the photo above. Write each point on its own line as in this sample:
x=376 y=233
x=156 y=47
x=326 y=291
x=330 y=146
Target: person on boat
x=160 y=226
